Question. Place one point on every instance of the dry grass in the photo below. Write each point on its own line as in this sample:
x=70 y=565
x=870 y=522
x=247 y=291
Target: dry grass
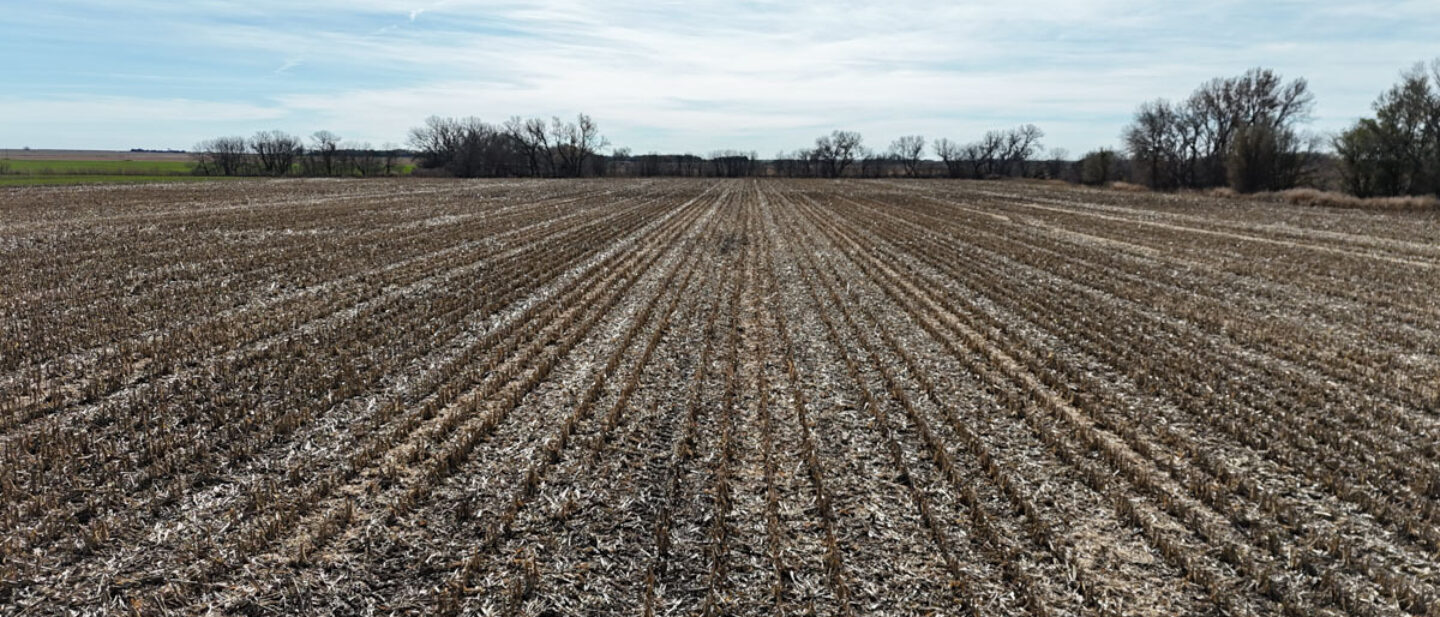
x=1309 y=197
x=1332 y=199
x=737 y=397
x=1128 y=187
x=1056 y=182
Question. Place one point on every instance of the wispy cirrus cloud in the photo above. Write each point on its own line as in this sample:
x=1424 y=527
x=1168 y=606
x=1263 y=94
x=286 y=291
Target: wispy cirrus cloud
x=289 y=64
x=695 y=75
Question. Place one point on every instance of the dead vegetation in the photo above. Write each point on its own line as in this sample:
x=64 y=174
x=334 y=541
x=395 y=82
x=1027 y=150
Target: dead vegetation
x=736 y=397
x=1129 y=187
x=1330 y=199
x=1317 y=198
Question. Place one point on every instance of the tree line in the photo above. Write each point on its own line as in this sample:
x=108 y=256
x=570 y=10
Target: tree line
x=720 y=164
x=1397 y=152
x=277 y=153
x=997 y=154
x=1240 y=131
x=1244 y=132
x=471 y=148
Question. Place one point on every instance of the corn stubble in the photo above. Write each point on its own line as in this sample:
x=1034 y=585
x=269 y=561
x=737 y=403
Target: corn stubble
x=694 y=397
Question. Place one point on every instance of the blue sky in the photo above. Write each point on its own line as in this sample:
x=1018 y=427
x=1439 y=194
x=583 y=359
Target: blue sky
x=670 y=76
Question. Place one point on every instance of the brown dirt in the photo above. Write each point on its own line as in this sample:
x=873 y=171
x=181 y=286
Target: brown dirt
x=739 y=397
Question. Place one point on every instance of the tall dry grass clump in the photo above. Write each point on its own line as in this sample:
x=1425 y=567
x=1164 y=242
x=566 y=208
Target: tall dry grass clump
x=1129 y=188
x=1332 y=199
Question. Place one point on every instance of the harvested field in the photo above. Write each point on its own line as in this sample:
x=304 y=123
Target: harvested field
x=94 y=155
x=741 y=397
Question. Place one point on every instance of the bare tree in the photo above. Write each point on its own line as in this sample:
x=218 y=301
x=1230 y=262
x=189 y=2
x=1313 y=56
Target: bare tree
x=486 y=151
x=949 y=153
x=276 y=151
x=909 y=150
x=811 y=162
x=980 y=155
x=323 y=152
x=391 y=158
x=362 y=160
x=1241 y=130
x=688 y=164
x=872 y=164
x=563 y=137
x=533 y=140
x=435 y=142
x=465 y=148
x=649 y=165
x=224 y=156
x=1258 y=103
x=788 y=164
x=1017 y=147
x=732 y=163
x=836 y=151
x=1160 y=141
x=582 y=140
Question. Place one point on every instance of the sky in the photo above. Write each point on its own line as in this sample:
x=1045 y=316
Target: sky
x=696 y=76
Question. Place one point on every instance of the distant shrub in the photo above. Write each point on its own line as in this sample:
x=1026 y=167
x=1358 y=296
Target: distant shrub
x=1098 y=167
x=1266 y=158
x=4 y=167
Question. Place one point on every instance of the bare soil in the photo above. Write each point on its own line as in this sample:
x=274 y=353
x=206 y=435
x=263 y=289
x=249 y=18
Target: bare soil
x=696 y=397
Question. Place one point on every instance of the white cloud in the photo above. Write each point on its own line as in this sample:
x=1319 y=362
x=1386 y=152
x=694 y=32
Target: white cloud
x=765 y=74
x=289 y=64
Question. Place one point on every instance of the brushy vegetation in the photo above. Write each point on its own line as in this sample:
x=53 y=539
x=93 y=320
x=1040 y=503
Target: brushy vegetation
x=1332 y=199
x=1129 y=187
